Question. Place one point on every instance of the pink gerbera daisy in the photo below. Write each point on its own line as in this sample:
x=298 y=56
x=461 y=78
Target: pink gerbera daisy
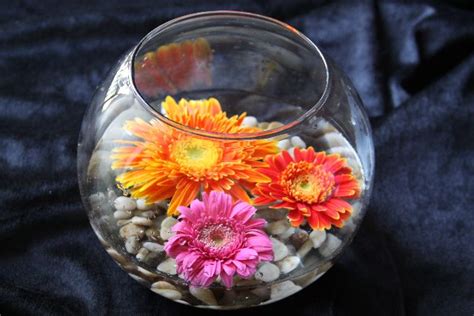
x=216 y=237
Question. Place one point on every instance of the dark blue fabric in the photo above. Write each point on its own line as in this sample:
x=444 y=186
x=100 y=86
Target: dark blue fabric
x=413 y=64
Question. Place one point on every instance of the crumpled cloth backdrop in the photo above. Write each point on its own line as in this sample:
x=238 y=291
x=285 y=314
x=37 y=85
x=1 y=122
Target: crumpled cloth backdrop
x=413 y=64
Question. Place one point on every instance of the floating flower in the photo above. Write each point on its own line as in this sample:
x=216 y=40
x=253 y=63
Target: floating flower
x=168 y=163
x=174 y=67
x=216 y=237
x=311 y=185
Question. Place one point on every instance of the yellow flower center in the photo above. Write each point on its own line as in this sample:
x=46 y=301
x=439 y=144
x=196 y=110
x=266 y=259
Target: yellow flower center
x=306 y=182
x=195 y=156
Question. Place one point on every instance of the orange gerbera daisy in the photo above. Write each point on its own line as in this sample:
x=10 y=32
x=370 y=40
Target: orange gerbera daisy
x=168 y=163
x=311 y=185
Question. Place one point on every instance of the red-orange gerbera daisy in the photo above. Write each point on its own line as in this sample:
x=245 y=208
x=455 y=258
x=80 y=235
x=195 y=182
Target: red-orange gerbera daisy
x=168 y=163
x=311 y=185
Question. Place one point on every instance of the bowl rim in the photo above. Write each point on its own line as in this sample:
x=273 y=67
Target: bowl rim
x=231 y=136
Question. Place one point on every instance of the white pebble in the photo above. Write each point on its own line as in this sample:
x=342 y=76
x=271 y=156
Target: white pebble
x=137 y=220
x=287 y=234
x=168 y=266
x=163 y=285
x=267 y=272
x=284 y=144
x=317 y=237
x=305 y=249
x=132 y=245
x=131 y=230
x=142 y=205
x=283 y=289
x=289 y=264
x=153 y=246
x=171 y=294
x=166 y=225
x=142 y=253
x=278 y=227
x=123 y=203
x=147 y=214
x=203 y=294
x=122 y=214
x=122 y=222
x=146 y=272
x=249 y=121
x=298 y=142
x=280 y=250
x=330 y=245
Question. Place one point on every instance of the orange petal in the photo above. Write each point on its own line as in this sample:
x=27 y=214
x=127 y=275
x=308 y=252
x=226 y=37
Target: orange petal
x=239 y=194
x=183 y=197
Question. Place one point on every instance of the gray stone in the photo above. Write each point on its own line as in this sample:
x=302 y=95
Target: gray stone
x=203 y=294
x=288 y=264
x=168 y=266
x=123 y=203
x=317 y=237
x=132 y=245
x=280 y=250
x=267 y=272
x=330 y=246
x=283 y=289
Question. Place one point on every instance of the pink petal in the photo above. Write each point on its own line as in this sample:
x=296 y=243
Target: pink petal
x=246 y=254
x=217 y=203
x=227 y=279
x=228 y=268
x=183 y=228
x=256 y=223
x=242 y=211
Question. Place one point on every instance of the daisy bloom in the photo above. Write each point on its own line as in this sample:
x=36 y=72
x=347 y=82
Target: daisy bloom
x=216 y=237
x=312 y=185
x=168 y=163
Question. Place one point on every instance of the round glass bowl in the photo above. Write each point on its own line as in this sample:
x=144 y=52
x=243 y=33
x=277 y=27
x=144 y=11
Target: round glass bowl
x=225 y=162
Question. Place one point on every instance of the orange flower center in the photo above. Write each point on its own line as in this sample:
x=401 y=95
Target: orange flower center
x=195 y=156
x=306 y=182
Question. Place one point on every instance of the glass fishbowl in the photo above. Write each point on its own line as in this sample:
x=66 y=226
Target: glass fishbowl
x=225 y=162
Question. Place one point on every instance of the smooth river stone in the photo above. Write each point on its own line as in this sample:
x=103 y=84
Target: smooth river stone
x=280 y=250
x=166 y=225
x=330 y=245
x=153 y=246
x=123 y=203
x=317 y=237
x=267 y=272
x=250 y=121
x=278 y=227
x=203 y=294
x=168 y=266
x=296 y=141
x=288 y=264
x=283 y=289
x=130 y=230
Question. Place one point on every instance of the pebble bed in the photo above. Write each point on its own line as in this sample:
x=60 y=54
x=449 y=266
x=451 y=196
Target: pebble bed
x=300 y=255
